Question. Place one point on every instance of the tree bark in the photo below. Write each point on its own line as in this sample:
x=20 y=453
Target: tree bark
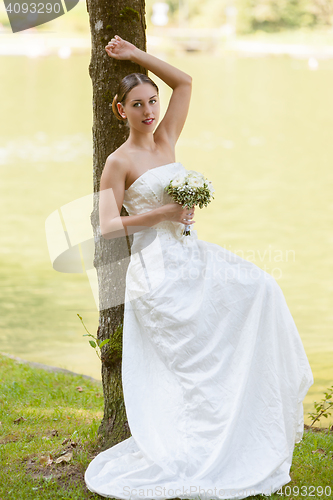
x=126 y=19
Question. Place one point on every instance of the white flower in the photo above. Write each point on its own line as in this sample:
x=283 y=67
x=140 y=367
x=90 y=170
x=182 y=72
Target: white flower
x=177 y=181
x=210 y=187
x=195 y=182
x=195 y=179
x=194 y=173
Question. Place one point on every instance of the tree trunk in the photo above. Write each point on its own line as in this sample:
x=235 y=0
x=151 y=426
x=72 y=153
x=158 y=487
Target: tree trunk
x=126 y=19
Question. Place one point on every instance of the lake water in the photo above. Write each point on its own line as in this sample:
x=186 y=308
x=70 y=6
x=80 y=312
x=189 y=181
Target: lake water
x=259 y=128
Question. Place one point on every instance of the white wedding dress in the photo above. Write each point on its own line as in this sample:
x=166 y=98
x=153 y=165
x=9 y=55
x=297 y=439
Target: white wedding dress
x=214 y=371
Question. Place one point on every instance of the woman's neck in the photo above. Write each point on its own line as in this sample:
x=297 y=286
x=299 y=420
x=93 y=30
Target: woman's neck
x=144 y=142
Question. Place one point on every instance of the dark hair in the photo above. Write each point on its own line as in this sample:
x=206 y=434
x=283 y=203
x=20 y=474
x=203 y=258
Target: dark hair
x=126 y=85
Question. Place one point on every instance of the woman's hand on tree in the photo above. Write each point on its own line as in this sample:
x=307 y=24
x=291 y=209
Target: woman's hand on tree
x=120 y=49
x=176 y=213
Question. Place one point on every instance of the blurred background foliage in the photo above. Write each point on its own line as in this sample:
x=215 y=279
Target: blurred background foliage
x=248 y=16
x=251 y=15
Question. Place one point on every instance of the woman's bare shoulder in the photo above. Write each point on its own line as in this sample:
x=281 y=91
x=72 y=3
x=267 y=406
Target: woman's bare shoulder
x=118 y=157
x=118 y=161
x=115 y=169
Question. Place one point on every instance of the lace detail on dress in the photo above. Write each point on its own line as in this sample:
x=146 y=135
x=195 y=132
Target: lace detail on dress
x=174 y=230
x=139 y=201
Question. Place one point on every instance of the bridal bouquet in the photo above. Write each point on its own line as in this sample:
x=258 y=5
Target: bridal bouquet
x=189 y=190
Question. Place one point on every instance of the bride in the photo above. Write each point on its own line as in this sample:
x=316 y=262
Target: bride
x=214 y=371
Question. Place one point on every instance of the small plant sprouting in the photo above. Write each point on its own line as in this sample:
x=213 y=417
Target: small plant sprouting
x=95 y=343
x=322 y=408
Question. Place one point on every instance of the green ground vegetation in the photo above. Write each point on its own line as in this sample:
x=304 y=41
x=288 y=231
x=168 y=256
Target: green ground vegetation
x=48 y=436
x=46 y=417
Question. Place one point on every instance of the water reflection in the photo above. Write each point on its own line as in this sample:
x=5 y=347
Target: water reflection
x=43 y=148
x=260 y=129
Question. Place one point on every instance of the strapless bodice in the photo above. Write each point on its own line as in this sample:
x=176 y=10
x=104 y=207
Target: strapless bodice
x=148 y=192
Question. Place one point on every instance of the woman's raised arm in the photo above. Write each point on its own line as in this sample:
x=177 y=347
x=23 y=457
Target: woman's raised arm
x=173 y=121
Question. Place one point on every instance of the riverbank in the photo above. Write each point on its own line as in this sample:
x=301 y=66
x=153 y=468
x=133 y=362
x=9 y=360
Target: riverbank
x=299 y=44
x=48 y=436
x=48 y=368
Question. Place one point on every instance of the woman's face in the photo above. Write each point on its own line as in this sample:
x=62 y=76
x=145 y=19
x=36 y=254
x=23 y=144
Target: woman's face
x=142 y=108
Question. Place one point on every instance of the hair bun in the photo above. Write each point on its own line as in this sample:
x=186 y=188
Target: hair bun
x=115 y=108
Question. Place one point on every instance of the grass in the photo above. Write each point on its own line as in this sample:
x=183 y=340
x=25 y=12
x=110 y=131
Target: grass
x=48 y=415
x=58 y=418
